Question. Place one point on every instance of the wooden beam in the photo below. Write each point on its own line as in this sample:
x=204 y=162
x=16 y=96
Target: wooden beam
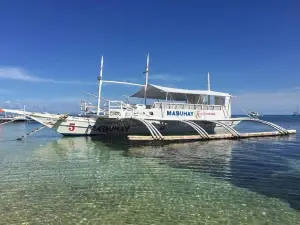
x=211 y=136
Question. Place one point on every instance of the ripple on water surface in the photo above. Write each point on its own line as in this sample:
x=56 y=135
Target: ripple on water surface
x=51 y=180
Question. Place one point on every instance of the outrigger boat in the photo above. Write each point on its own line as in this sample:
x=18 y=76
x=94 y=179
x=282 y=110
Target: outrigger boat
x=166 y=111
x=12 y=117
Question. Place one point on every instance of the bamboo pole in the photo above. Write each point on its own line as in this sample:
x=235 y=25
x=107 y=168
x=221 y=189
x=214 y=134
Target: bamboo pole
x=211 y=136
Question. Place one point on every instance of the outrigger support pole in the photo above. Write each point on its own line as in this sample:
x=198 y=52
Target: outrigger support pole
x=155 y=133
x=197 y=128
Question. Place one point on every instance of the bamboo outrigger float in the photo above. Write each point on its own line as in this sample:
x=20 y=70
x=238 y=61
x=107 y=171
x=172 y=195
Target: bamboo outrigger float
x=173 y=114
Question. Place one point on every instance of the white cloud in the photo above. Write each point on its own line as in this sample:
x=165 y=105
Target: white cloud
x=165 y=77
x=272 y=102
x=15 y=73
x=60 y=105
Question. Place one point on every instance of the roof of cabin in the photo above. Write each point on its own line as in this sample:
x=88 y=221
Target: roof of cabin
x=159 y=92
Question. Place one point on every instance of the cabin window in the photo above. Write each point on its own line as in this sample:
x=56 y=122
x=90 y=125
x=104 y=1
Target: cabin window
x=211 y=100
x=219 y=100
x=205 y=99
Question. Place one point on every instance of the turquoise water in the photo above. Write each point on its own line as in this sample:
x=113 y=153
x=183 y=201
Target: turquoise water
x=46 y=179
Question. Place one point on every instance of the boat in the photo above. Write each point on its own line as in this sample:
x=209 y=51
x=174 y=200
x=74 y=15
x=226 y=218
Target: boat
x=12 y=117
x=164 y=111
x=296 y=113
x=253 y=114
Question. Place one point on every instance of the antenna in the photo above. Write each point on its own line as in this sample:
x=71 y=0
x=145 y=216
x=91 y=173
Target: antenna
x=208 y=81
x=99 y=87
x=146 y=81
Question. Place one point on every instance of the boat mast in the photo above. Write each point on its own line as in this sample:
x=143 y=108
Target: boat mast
x=99 y=87
x=208 y=81
x=146 y=82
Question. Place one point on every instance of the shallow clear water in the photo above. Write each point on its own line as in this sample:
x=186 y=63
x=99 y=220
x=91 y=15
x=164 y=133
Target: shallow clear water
x=46 y=179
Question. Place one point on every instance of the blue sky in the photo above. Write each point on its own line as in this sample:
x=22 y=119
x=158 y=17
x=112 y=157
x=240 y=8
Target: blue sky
x=251 y=49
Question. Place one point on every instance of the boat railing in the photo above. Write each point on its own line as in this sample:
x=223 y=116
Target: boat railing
x=9 y=116
x=170 y=105
x=119 y=109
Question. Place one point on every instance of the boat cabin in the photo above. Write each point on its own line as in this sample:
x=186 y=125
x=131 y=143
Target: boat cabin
x=173 y=103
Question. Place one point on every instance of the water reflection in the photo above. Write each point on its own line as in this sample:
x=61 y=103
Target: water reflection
x=84 y=180
x=73 y=148
x=265 y=167
x=268 y=166
x=260 y=165
x=210 y=157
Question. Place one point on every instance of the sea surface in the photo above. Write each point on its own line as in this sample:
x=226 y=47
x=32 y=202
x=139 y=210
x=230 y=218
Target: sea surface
x=47 y=179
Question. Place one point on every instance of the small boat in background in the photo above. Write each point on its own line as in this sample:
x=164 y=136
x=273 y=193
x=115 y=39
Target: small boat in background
x=253 y=114
x=12 y=117
x=296 y=113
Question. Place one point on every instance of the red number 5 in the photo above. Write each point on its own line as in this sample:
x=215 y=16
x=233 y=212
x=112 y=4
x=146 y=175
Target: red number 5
x=71 y=126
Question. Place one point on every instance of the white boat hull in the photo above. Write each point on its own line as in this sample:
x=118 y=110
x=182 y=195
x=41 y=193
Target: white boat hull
x=76 y=126
x=88 y=126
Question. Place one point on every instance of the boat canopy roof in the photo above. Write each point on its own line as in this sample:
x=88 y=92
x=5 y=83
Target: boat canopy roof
x=160 y=92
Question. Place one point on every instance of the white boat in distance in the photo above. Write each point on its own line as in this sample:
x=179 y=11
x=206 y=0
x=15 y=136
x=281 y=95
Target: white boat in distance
x=12 y=118
x=297 y=112
x=253 y=114
x=172 y=111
